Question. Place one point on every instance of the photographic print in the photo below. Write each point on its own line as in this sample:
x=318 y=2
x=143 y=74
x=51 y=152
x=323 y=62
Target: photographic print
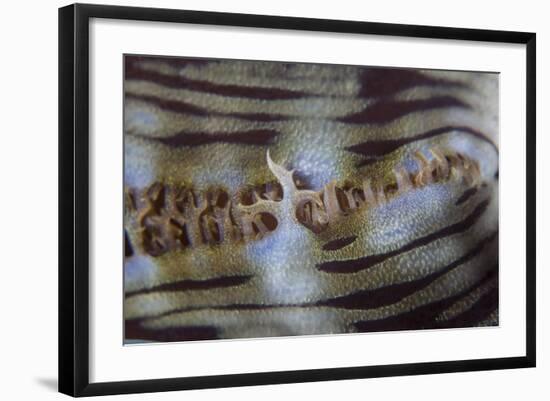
x=270 y=199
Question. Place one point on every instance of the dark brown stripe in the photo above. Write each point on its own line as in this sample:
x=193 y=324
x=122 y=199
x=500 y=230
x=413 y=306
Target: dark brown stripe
x=185 y=285
x=375 y=150
x=355 y=265
x=424 y=316
x=385 y=111
x=388 y=295
x=178 y=106
x=486 y=305
x=260 y=137
x=170 y=105
x=386 y=82
x=466 y=195
x=133 y=330
x=134 y=72
x=259 y=117
x=177 y=62
x=224 y=307
x=339 y=243
x=128 y=250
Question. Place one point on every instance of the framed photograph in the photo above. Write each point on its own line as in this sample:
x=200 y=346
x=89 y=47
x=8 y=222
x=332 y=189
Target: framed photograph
x=250 y=199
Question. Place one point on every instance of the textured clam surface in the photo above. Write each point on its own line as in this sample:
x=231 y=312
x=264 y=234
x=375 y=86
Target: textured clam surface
x=275 y=199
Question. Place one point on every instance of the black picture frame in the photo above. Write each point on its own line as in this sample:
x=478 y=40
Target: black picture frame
x=74 y=194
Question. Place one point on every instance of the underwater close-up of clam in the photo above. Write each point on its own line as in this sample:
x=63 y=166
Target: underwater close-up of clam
x=277 y=199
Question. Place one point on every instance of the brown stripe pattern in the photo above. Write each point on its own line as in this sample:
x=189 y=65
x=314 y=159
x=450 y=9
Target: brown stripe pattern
x=278 y=198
